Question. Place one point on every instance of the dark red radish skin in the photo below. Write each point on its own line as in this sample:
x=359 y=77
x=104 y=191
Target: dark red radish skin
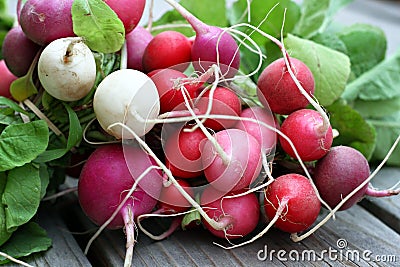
x=277 y=87
x=183 y=152
x=209 y=42
x=225 y=102
x=136 y=42
x=18 y=60
x=241 y=214
x=296 y=200
x=340 y=172
x=244 y=160
x=6 y=79
x=170 y=89
x=304 y=128
x=169 y=49
x=46 y=21
x=266 y=137
x=171 y=200
x=128 y=11
x=106 y=178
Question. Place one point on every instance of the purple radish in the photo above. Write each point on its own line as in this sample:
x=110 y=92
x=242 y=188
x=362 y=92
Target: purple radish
x=136 y=42
x=46 y=21
x=340 y=172
x=209 y=40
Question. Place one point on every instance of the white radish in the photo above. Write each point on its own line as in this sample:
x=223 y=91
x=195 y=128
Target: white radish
x=129 y=97
x=67 y=69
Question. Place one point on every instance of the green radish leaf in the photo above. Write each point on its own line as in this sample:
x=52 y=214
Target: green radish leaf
x=259 y=10
x=377 y=108
x=10 y=103
x=4 y=234
x=29 y=238
x=44 y=179
x=193 y=217
x=21 y=195
x=365 y=45
x=353 y=129
x=8 y=117
x=98 y=24
x=23 y=87
x=74 y=137
x=22 y=143
x=331 y=69
x=313 y=16
x=331 y=40
x=387 y=129
x=382 y=82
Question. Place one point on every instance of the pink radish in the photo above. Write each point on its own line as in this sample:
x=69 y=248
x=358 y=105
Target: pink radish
x=136 y=42
x=6 y=79
x=231 y=210
x=240 y=165
x=107 y=177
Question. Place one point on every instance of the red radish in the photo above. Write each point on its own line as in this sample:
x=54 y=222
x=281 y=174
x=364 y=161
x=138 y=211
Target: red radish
x=6 y=79
x=171 y=200
x=292 y=198
x=105 y=180
x=280 y=91
x=211 y=46
x=183 y=152
x=225 y=102
x=169 y=49
x=128 y=11
x=169 y=86
x=242 y=164
x=136 y=42
x=46 y=21
x=305 y=129
x=232 y=209
x=340 y=172
x=266 y=137
x=18 y=60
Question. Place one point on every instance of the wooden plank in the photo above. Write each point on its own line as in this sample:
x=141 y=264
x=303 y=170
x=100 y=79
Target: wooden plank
x=357 y=227
x=386 y=209
x=65 y=251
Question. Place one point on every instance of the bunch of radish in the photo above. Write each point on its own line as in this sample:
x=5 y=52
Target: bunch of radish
x=217 y=151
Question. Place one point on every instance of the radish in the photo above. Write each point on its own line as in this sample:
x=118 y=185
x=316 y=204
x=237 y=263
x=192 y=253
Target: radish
x=136 y=42
x=170 y=85
x=280 y=91
x=305 y=129
x=212 y=45
x=224 y=102
x=340 y=172
x=105 y=180
x=46 y=21
x=171 y=200
x=67 y=69
x=128 y=11
x=6 y=79
x=129 y=97
x=238 y=167
x=231 y=210
x=18 y=60
x=266 y=137
x=169 y=49
x=293 y=201
x=183 y=151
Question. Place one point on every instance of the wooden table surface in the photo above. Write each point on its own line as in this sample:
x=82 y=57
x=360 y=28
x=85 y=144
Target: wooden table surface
x=371 y=228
